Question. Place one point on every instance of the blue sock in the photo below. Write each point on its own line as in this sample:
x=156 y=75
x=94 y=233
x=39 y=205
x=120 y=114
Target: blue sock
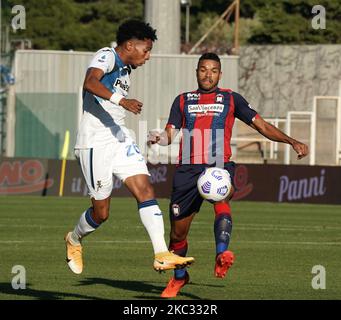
x=179 y=273
x=179 y=248
x=222 y=232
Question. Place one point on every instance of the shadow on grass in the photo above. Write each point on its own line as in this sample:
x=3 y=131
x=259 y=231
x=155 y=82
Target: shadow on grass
x=137 y=286
x=20 y=294
x=145 y=290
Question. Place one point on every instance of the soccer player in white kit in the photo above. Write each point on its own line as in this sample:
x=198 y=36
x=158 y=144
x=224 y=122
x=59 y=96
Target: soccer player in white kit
x=104 y=146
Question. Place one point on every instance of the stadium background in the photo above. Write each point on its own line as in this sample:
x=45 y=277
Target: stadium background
x=294 y=84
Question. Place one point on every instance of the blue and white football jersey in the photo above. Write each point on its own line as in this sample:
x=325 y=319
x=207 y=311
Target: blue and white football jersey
x=101 y=119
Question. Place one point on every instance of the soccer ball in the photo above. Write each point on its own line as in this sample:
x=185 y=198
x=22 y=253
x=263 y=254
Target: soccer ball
x=214 y=184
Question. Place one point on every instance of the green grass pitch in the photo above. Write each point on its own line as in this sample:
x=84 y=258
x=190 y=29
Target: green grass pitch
x=276 y=247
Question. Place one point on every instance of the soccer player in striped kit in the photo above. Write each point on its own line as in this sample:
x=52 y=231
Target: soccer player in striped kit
x=105 y=146
x=206 y=117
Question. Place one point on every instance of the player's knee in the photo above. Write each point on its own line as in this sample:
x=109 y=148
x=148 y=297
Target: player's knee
x=146 y=193
x=222 y=208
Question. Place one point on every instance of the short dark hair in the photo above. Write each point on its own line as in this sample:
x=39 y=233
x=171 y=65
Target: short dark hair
x=135 y=29
x=209 y=56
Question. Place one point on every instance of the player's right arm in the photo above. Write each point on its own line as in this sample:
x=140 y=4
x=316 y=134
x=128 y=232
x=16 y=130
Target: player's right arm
x=102 y=63
x=93 y=84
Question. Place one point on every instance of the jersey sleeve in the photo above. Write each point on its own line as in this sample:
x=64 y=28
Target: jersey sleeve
x=104 y=59
x=175 y=116
x=242 y=109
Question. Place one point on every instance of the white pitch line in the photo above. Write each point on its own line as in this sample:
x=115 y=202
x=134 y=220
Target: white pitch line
x=246 y=226
x=42 y=226
x=236 y=242
x=330 y=243
x=237 y=227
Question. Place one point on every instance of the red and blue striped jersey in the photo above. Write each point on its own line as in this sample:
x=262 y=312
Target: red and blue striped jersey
x=206 y=120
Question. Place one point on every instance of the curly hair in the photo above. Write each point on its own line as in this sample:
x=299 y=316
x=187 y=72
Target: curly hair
x=209 y=56
x=135 y=29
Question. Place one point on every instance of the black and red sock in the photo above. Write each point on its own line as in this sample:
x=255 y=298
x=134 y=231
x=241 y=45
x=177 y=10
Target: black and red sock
x=222 y=226
x=179 y=248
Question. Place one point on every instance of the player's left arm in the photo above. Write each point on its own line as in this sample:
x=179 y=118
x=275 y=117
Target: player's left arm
x=245 y=113
x=273 y=133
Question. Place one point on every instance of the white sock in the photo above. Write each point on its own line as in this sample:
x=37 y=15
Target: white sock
x=152 y=219
x=85 y=226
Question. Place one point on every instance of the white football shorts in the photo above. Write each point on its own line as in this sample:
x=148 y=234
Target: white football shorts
x=123 y=159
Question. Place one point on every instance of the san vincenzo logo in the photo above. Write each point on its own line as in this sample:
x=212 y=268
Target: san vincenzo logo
x=20 y=177
x=205 y=108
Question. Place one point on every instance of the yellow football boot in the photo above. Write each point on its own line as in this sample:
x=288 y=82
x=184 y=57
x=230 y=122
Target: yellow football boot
x=73 y=255
x=168 y=260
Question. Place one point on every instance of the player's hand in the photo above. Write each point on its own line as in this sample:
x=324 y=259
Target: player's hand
x=131 y=105
x=153 y=137
x=301 y=149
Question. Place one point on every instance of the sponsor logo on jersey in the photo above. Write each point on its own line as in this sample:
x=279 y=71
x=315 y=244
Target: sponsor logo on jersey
x=125 y=70
x=219 y=98
x=204 y=108
x=193 y=96
x=102 y=59
x=123 y=86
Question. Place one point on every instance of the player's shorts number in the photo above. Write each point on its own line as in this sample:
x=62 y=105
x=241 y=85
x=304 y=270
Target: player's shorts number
x=132 y=149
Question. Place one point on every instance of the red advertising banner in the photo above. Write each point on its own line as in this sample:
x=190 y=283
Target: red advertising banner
x=25 y=176
x=253 y=182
